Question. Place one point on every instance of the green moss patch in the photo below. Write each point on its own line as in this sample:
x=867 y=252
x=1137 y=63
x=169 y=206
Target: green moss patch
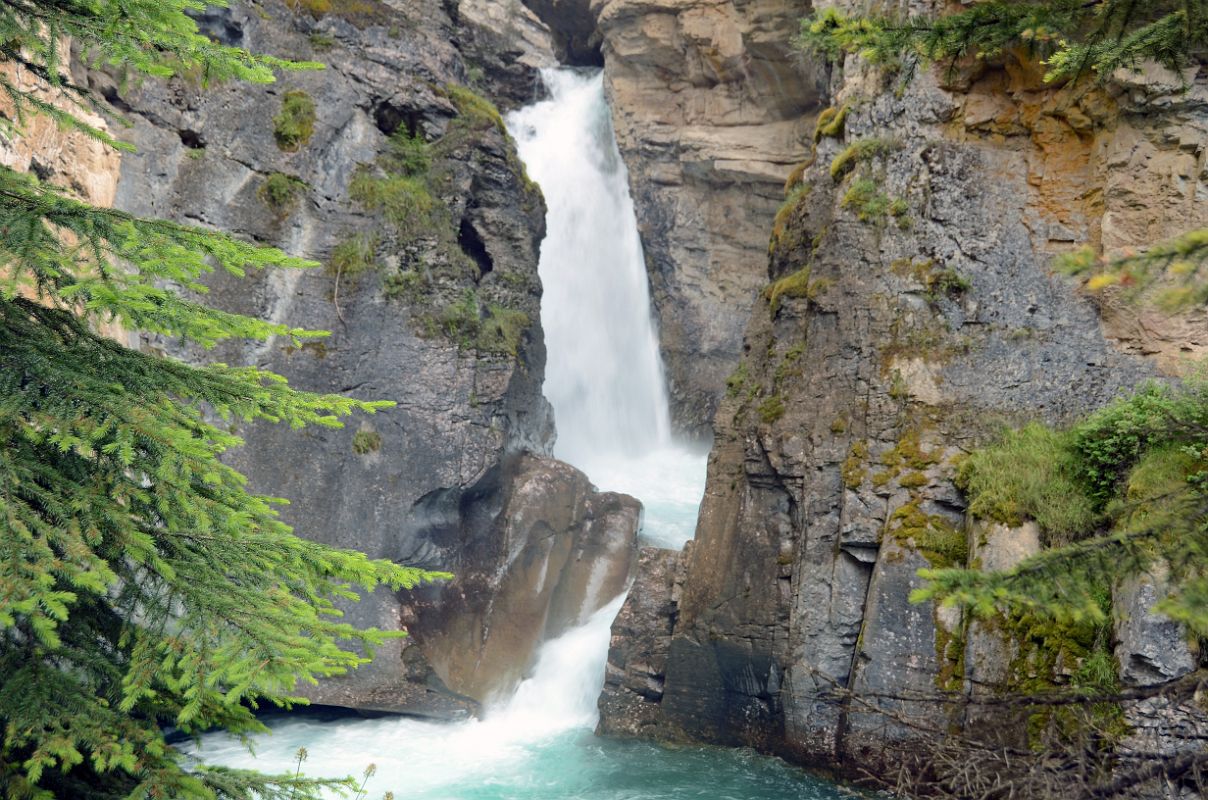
x=937 y=539
x=785 y=213
x=366 y=442
x=771 y=409
x=295 y=123
x=471 y=326
x=281 y=192
x=857 y=152
x=853 y=470
x=475 y=110
x=796 y=284
x=830 y=123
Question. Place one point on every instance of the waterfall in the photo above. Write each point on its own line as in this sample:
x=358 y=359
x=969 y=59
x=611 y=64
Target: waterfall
x=606 y=384
x=603 y=376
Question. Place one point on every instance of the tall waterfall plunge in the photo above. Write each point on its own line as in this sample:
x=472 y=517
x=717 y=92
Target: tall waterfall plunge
x=603 y=376
x=606 y=385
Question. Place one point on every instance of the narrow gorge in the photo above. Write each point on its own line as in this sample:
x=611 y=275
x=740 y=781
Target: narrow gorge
x=752 y=368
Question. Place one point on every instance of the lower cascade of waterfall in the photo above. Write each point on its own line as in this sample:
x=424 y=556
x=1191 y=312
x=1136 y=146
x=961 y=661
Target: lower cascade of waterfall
x=606 y=384
x=537 y=745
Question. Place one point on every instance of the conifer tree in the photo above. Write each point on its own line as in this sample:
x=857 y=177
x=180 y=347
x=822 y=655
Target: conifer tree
x=142 y=585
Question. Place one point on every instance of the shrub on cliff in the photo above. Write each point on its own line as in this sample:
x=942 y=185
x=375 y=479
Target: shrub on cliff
x=295 y=122
x=141 y=584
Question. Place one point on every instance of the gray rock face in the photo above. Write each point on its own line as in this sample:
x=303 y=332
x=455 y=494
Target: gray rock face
x=463 y=356
x=637 y=657
x=894 y=336
x=507 y=43
x=573 y=27
x=1151 y=648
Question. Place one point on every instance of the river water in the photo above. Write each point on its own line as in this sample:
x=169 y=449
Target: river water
x=605 y=381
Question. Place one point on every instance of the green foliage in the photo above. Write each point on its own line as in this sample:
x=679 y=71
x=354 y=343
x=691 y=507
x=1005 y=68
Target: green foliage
x=321 y=42
x=857 y=152
x=295 y=123
x=406 y=155
x=361 y=13
x=937 y=282
x=771 y=409
x=1071 y=36
x=402 y=185
x=503 y=329
x=281 y=192
x=142 y=585
x=947 y=283
x=1031 y=474
x=366 y=442
x=493 y=329
x=404 y=200
x=353 y=256
x=405 y=285
x=461 y=322
x=142 y=36
x=1114 y=493
x=1111 y=441
x=398 y=186
x=869 y=202
x=737 y=380
x=1171 y=275
x=475 y=110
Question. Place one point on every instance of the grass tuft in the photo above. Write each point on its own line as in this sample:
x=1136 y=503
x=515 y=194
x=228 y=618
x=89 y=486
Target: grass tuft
x=295 y=123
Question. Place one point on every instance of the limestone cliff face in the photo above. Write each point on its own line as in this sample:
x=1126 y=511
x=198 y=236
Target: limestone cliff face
x=911 y=312
x=710 y=103
x=69 y=159
x=443 y=319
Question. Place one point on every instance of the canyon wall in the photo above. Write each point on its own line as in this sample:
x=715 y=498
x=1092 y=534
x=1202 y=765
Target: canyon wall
x=405 y=187
x=908 y=312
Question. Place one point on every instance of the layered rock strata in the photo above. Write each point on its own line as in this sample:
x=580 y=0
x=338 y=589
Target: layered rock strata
x=911 y=312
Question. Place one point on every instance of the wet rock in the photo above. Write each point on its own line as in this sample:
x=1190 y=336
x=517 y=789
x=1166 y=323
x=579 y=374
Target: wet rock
x=553 y=552
x=641 y=638
x=573 y=26
x=508 y=44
